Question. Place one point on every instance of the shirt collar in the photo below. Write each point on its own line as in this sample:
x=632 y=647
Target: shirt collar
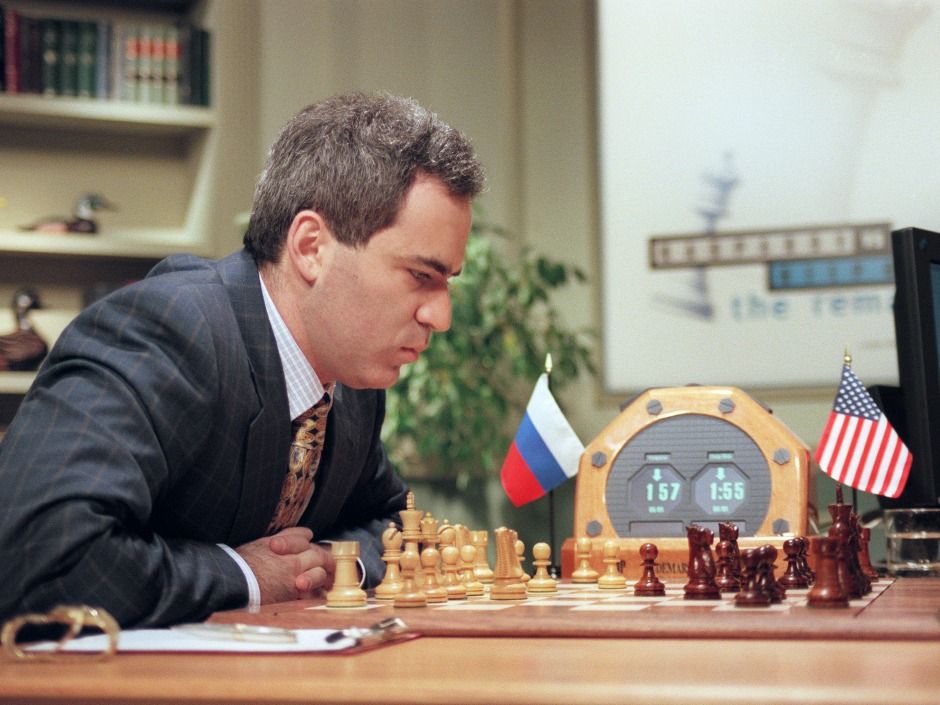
x=304 y=388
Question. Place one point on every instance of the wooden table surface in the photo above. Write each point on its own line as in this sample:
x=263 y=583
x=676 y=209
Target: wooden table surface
x=491 y=671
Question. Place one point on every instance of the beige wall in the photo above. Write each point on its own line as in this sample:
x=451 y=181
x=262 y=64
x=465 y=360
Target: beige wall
x=455 y=57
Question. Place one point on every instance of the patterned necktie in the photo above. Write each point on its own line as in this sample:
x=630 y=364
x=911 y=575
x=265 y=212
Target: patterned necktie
x=297 y=490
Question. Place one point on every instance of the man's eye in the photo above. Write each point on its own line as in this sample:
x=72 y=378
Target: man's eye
x=420 y=276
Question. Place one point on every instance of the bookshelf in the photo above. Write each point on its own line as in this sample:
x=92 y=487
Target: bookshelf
x=177 y=173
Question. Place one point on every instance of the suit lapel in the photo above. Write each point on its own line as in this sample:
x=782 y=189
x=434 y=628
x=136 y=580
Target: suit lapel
x=268 y=440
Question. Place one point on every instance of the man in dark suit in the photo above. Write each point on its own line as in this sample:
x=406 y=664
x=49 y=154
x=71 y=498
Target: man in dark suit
x=147 y=470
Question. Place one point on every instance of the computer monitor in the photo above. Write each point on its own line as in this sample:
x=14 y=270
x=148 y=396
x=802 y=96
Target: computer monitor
x=917 y=335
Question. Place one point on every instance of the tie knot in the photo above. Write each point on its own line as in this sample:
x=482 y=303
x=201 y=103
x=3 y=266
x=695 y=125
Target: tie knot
x=318 y=410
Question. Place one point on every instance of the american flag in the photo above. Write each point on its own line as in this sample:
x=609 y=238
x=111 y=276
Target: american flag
x=859 y=448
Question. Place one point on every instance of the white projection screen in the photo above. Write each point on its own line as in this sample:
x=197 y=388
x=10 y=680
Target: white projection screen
x=754 y=157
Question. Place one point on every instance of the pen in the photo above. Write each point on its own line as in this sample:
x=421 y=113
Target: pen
x=239 y=632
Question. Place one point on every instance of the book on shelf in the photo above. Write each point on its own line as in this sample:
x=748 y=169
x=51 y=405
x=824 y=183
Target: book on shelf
x=11 y=50
x=164 y=63
x=3 y=73
x=87 y=56
x=49 y=34
x=171 y=66
x=103 y=80
x=68 y=59
x=30 y=55
x=129 y=39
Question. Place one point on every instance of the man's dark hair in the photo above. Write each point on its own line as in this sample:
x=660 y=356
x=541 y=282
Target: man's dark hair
x=351 y=158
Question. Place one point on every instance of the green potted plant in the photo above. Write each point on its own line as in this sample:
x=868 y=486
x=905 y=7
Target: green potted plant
x=453 y=413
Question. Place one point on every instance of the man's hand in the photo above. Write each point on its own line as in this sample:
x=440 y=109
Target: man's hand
x=287 y=565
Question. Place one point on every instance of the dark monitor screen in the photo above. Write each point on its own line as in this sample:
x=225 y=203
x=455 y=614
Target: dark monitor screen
x=917 y=332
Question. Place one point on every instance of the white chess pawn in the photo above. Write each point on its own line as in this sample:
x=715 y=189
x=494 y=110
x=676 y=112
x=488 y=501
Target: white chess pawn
x=542 y=581
x=612 y=579
x=468 y=554
x=411 y=594
x=432 y=588
x=456 y=590
x=584 y=573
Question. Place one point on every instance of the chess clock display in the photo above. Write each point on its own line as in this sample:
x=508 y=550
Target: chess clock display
x=678 y=456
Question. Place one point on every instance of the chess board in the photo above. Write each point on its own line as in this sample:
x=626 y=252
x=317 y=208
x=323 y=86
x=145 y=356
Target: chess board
x=891 y=611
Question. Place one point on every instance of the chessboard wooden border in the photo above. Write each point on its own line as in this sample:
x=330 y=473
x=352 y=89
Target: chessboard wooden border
x=904 y=610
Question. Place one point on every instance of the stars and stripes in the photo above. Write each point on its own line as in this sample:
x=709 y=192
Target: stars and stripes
x=859 y=447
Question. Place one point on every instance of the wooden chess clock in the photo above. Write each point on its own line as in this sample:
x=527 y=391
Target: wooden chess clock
x=688 y=455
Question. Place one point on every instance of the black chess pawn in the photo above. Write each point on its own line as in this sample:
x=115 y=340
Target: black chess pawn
x=793 y=577
x=649 y=585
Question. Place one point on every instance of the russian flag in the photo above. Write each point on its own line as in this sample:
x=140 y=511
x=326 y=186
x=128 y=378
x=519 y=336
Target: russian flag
x=545 y=452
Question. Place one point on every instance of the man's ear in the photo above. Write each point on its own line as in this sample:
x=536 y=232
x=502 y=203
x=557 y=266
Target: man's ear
x=307 y=238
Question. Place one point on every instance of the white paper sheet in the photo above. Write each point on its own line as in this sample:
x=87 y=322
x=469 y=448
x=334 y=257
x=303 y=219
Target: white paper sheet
x=175 y=640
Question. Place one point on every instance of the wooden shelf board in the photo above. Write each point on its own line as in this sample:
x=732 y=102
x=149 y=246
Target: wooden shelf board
x=16 y=382
x=74 y=113
x=142 y=243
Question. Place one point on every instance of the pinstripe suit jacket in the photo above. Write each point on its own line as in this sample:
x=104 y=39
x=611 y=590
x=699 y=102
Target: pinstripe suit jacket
x=158 y=427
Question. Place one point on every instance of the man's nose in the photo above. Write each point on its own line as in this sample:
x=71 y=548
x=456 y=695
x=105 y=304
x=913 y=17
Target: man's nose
x=435 y=312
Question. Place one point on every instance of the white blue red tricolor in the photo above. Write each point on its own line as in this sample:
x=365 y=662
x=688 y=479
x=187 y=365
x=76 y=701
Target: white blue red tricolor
x=545 y=452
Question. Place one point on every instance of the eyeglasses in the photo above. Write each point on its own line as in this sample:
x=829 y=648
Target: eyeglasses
x=75 y=619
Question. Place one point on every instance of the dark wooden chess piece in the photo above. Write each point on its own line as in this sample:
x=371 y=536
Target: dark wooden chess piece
x=804 y=560
x=793 y=577
x=23 y=349
x=701 y=570
x=864 y=558
x=649 y=585
x=841 y=529
x=827 y=592
x=751 y=595
x=861 y=575
x=728 y=531
x=766 y=574
x=726 y=580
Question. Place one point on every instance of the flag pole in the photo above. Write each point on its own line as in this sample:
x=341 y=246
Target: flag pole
x=553 y=568
x=847 y=359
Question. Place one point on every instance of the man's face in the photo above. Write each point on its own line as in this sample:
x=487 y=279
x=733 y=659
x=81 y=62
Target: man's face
x=373 y=309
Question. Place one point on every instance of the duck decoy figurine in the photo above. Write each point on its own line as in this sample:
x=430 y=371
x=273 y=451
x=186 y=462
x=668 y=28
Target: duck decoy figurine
x=81 y=221
x=23 y=349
